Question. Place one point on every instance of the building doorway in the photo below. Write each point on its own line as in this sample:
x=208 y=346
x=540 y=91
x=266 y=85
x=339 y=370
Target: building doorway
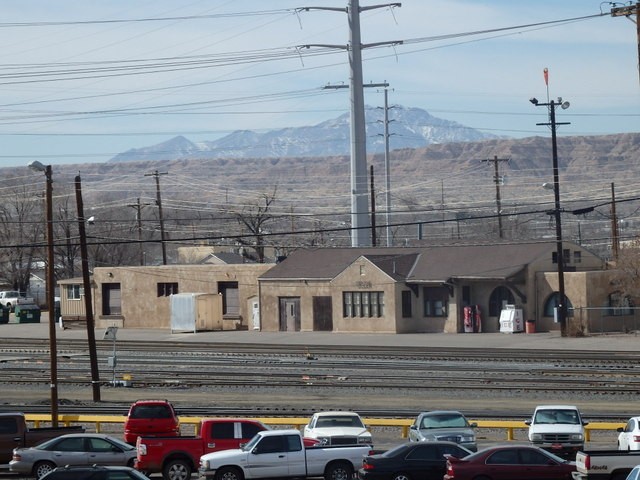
x=289 y=314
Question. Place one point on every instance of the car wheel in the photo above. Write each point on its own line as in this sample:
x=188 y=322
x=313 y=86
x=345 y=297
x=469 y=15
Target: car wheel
x=339 y=471
x=177 y=470
x=40 y=469
x=401 y=476
x=229 y=473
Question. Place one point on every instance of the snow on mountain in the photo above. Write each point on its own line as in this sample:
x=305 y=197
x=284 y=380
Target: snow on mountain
x=408 y=128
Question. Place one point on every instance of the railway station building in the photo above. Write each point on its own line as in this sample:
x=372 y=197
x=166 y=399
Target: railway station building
x=422 y=289
x=426 y=289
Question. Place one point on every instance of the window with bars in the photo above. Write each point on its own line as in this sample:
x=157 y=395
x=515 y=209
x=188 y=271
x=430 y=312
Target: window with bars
x=168 y=288
x=362 y=304
x=436 y=301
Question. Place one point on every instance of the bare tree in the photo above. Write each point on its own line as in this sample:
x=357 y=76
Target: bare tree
x=253 y=218
x=21 y=237
x=627 y=276
x=67 y=247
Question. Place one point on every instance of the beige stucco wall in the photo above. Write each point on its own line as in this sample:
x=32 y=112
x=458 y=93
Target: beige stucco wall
x=142 y=308
x=588 y=293
x=362 y=275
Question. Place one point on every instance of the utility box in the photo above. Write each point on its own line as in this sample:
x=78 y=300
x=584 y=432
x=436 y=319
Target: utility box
x=192 y=312
x=511 y=319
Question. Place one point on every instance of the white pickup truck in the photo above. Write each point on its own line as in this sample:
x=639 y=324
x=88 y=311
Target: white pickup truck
x=558 y=429
x=10 y=298
x=605 y=464
x=282 y=454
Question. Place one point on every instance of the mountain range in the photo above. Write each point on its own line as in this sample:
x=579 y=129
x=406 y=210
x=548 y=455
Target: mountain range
x=408 y=128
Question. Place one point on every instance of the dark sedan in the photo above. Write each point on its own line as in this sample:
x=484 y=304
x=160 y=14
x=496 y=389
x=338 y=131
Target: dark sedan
x=411 y=461
x=508 y=462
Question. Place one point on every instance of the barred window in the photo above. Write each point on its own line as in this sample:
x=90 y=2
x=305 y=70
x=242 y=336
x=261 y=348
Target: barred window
x=166 y=289
x=362 y=304
x=619 y=304
x=436 y=301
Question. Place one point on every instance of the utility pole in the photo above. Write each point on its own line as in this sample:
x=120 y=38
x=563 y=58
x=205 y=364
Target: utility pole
x=387 y=170
x=373 y=210
x=86 y=284
x=159 y=203
x=615 y=237
x=359 y=209
x=497 y=179
x=138 y=206
x=561 y=308
x=628 y=11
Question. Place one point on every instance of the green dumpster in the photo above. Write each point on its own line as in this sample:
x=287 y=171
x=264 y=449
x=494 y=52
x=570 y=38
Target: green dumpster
x=4 y=314
x=27 y=313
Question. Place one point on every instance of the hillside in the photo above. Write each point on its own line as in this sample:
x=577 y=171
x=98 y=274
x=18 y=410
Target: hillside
x=442 y=185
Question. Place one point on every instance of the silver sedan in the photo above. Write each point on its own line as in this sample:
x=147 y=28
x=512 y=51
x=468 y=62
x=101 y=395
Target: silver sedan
x=72 y=449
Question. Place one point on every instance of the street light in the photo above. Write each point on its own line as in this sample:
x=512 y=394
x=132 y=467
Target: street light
x=39 y=167
x=561 y=308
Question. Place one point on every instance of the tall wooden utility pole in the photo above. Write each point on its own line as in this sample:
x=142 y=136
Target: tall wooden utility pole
x=497 y=180
x=138 y=206
x=86 y=284
x=615 y=237
x=159 y=202
x=628 y=11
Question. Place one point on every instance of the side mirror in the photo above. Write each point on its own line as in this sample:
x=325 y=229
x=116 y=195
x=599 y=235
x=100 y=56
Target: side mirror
x=620 y=429
x=473 y=425
x=527 y=422
x=413 y=427
x=585 y=423
x=255 y=451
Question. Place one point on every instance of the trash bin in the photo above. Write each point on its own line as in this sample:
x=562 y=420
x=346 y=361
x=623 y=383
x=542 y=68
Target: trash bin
x=4 y=314
x=27 y=313
x=530 y=326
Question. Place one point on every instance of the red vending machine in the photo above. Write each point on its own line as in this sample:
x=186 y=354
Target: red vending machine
x=472 y=319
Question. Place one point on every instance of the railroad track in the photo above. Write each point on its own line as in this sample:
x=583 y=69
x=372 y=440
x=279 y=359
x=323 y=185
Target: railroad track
x=360 y=368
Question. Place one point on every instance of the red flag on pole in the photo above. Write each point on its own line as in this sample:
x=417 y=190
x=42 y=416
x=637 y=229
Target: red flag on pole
x=546 y=77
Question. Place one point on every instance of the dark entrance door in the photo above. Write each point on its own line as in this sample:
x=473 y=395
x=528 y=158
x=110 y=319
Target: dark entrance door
x=322 y=314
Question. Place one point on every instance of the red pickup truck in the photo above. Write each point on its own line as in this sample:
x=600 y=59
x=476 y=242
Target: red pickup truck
x=178 y=457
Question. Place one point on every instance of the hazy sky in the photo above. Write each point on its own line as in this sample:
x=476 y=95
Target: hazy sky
x=82 y=81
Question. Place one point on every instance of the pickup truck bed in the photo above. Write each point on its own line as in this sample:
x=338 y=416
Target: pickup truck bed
x=14 y=433
x=605 y=464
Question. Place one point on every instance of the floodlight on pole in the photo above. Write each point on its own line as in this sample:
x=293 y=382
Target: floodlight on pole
x=561 y=308
x=53 y=353
x=552 y=105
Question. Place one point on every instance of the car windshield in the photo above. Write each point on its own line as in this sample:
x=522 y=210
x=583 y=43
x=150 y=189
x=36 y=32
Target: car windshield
x=445 y=420
x=557 y=416
x=252 y=443
x=339 y=421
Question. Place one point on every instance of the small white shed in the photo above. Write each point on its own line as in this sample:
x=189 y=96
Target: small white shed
x=192 y=312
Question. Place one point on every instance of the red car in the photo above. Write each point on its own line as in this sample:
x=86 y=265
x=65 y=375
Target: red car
x=509 y=462
x=151 y=418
